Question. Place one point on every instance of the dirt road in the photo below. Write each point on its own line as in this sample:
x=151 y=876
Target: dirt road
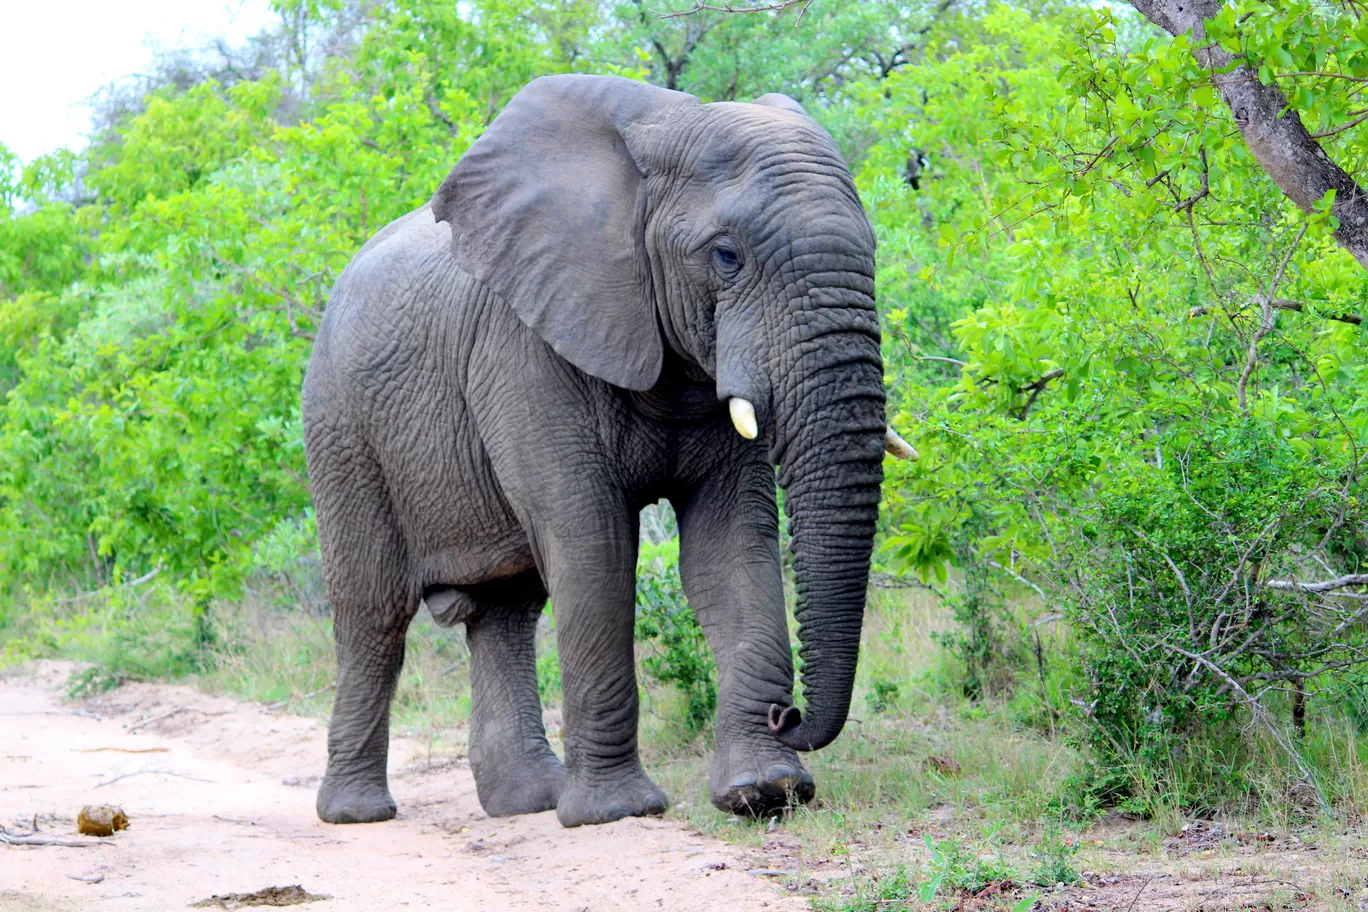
x=220 y=796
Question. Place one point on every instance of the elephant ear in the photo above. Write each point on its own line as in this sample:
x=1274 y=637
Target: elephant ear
x=547 y=208
x=780 y=100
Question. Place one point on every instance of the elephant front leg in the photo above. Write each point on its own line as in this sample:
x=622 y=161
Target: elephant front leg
x=592 y=577
x=516 y=772
x=729 y=561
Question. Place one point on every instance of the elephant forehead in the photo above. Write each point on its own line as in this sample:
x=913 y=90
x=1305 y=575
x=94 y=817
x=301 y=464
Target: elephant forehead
x=757 y=159
x=740 y=140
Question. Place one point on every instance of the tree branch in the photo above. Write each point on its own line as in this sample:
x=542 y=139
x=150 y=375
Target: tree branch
x=779 y=6
x=1335 y=131
x=1352 y=319
x=1339 y=582
x=1036 y=389
x=1273 y=131
x=1266 y=321
x=107 y=589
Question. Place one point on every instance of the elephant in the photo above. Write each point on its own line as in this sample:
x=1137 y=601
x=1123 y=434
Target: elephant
x=618 y=295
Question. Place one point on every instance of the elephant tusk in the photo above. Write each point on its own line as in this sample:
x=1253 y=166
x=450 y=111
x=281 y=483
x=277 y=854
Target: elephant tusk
x=896 y=446
x=743 y=417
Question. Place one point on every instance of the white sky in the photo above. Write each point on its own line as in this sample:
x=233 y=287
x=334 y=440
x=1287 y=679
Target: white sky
x=54 y=54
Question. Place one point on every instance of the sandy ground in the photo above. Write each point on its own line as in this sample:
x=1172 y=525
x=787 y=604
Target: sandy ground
x=220 y=796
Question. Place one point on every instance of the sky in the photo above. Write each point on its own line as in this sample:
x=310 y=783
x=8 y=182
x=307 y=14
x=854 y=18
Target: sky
x=54 y=54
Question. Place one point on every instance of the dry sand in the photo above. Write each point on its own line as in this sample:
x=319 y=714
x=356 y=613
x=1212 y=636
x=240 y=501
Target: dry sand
x=220 y=795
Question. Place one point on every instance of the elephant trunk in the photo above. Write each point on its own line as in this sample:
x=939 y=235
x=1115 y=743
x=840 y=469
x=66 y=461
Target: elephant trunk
x=829 y=444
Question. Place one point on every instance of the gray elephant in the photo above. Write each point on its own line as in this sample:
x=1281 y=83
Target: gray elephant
x=612 y=283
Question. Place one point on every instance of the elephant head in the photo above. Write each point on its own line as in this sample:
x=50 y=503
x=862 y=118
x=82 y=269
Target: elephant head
x=620 y=220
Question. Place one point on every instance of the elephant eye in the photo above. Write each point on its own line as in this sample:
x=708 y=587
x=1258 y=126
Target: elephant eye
x=727 y=260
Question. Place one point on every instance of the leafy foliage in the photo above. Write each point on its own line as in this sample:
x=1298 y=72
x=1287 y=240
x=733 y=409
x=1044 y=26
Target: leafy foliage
x=678 y=652
x=1139 y=350
x=1133 y=369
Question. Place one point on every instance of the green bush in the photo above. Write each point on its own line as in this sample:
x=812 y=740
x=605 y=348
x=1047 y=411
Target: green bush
x=1054 y=863
x=137 y=633
x=1184 y=642
x=676 y=650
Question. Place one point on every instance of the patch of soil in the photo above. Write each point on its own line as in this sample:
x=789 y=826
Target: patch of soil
x=1165 y=892
x=293 y=895
x=221 y=800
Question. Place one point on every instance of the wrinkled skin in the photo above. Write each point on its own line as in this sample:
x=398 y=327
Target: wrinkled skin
x=505 y=377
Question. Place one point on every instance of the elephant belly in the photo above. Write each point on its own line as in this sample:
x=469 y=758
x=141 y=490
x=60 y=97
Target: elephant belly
x=457 y=528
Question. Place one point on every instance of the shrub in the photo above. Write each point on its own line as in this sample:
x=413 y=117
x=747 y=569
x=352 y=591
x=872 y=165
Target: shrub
x=677 y=653
x=1192 y=631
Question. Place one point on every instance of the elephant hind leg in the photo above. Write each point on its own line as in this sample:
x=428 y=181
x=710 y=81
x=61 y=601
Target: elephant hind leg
x=372 y=606
x=516 y=772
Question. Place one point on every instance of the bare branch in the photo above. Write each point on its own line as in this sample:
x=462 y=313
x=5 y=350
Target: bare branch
x=1352 y=319
x=779 y=6
x=1036 y=388
x=1335 y=131
x=1266 y=323
x=1020 y=579
x=1256 y=709
x=1352 y=579
x=108 y=589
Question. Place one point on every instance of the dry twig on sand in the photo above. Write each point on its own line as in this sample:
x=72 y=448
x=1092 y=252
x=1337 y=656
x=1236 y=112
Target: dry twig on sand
x=176 y=711
x=159 y=772
x=122 y=750
x=31 y=838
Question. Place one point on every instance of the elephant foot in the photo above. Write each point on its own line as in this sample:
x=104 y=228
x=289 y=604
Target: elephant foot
x=354 y=801
x=526 y=788
x=762 y=785
x=606 y=800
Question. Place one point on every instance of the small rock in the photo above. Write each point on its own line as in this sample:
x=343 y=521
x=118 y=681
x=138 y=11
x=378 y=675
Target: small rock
x=101 y=820
x=946 y=766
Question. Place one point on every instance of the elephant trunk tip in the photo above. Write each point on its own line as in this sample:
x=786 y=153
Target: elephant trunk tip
x=786 y=724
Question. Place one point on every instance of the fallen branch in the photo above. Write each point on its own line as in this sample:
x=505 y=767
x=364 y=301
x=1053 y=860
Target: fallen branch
x=158 y=772
x=7 y=839
x=176 y=711
x=31 y=838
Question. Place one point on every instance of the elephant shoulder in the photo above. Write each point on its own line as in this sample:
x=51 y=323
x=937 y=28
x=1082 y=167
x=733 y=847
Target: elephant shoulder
x=390 y=297
x=402 y=251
